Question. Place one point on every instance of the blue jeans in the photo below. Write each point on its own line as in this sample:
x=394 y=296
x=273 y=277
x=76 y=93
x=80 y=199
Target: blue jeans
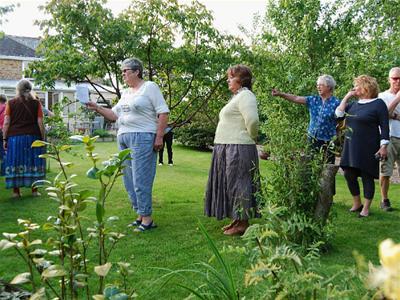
x=139 y=172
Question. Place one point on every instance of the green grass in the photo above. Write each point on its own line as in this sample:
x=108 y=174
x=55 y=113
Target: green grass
x=178 y=205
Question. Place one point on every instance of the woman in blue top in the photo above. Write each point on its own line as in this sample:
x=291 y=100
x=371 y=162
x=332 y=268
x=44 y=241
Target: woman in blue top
x=322 y=126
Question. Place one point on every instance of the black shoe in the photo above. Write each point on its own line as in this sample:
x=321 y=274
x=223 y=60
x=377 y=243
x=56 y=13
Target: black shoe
x=357 y=209
x=385 y=205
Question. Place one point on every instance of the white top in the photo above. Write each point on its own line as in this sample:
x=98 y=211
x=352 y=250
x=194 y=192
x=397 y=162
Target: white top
x=238 y=120
x=394 y=125
x=137 y=111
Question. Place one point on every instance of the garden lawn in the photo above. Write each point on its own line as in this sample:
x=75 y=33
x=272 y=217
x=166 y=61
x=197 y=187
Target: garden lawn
x=178 y=206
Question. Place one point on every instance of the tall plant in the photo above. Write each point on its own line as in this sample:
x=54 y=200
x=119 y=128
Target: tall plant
x=62 y=263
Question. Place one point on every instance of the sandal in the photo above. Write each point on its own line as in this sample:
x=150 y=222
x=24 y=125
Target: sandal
x=229 y=226
x=357 y=209
x=142 y=227
x=135 y=223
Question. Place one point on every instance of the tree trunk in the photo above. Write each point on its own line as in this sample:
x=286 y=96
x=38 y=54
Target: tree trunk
x=328 y=190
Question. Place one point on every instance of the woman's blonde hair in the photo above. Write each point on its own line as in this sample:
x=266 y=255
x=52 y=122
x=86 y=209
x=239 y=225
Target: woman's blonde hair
x=24 y=88
x=368 y=85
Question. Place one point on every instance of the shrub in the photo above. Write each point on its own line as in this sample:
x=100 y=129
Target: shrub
x=197 y=134
x=101 y=133
x=62 y=262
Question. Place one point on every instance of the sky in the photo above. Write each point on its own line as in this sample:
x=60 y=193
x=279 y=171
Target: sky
x=228 y=14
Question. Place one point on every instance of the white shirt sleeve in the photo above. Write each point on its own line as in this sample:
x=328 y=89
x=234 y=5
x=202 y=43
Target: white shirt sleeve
x=157 y=99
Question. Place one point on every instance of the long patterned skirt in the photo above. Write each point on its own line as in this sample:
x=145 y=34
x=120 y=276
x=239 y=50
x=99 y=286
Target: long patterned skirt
x=233 y=182
x=22 y=164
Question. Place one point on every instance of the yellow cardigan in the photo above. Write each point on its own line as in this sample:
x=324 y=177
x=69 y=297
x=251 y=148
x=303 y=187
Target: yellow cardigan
x=238 y=120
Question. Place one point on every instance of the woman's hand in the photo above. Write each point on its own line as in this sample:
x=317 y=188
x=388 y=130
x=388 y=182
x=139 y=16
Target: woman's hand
x=92 y=106
x=351 y=93
x=158 y=143
x=275 y=92
x=382 y=153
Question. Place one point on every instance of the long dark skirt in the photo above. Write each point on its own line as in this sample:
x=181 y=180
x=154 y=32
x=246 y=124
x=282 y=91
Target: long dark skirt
x=233 y=181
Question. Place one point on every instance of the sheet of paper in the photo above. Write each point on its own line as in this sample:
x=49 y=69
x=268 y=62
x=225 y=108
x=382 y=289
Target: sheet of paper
x=82 y=94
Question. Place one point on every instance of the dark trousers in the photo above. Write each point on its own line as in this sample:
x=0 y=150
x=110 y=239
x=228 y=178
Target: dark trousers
x=318 y=146
x=352 y=174
x=168 y=137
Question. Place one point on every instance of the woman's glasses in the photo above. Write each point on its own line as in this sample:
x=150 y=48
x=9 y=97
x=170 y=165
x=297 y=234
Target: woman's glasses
x=395 y=78
x=126 y=70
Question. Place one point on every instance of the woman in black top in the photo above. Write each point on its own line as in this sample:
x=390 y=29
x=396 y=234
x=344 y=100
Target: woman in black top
x=366 y=139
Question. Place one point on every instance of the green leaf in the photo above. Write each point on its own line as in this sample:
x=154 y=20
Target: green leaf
x=86 y=139
x=67 y=164
x=124 y=154
x=99 y=212
x=78 y=138
x=39 y=295
x=39 y=143
x=110 y=291
x=103 y=269
x=9 y=236
x=54 y=271
x=21 y=278
x=38 y=252
x=47 y=226
x=65 y=147
x=92 y=172
x=120 y=296
x=5 y=244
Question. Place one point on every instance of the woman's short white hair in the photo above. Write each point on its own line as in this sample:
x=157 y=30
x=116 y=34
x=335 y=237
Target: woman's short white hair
x=327 y=80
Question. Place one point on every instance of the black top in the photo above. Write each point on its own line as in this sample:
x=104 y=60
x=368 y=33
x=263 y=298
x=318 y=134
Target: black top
x=366 y=125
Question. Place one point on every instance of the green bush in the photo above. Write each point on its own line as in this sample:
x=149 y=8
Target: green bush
x=101 y=133
x=197 y=134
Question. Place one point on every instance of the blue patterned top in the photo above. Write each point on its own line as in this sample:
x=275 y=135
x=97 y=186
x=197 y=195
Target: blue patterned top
x=322 y=117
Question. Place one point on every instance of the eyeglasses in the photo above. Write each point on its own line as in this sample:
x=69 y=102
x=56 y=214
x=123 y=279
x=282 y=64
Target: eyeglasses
x=395 y=78
x=126 y=70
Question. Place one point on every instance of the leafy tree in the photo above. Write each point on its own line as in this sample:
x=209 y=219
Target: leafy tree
x=3 y=11
x=180 y=49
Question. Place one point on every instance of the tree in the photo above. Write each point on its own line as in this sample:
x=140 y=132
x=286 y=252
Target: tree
x=180 y=49
x=4 y=10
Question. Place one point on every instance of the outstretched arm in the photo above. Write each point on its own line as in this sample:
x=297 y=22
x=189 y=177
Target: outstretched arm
x=290 y=97
x=105 y=112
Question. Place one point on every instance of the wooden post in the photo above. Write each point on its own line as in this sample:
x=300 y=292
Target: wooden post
x=328 y=190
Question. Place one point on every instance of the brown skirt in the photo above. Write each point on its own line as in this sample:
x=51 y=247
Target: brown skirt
x=233 y=182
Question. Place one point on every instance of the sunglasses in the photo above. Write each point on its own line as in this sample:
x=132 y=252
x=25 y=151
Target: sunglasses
x=126 y=70
x=395 y=78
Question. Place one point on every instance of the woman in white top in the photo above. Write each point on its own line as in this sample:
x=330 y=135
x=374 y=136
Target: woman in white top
x=141 y=116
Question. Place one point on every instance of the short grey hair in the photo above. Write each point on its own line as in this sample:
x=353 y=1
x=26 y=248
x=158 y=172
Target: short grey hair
x=134 y=64
x=24 y=88
x=328 y=81
x=3 y=98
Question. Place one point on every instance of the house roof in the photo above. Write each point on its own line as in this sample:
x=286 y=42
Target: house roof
x=18 y=46
x=59 y=86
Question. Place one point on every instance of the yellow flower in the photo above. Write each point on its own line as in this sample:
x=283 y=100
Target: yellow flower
x=389 y=254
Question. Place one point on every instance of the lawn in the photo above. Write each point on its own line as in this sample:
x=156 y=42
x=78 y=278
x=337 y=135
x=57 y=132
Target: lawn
x=178 y=205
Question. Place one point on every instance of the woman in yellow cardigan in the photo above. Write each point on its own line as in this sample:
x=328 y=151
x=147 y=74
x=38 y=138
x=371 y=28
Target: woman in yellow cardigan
x=233 y=178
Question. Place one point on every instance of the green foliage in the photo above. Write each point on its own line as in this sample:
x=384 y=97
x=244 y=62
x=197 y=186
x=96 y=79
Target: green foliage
x=199 y=134
x=62 y=262
x=101 y=133
x=177 y=43
x=282 y=269
x=212 y=282
x=56 y=129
